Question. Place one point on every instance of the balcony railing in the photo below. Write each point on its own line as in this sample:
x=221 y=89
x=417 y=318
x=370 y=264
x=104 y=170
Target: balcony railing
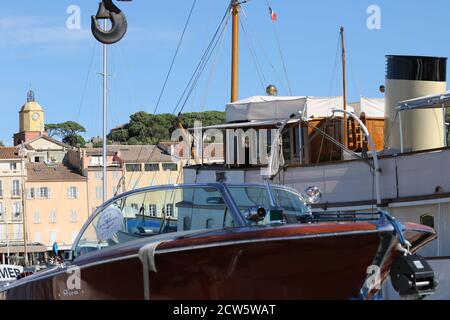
x=16 y=194
x=16 y=217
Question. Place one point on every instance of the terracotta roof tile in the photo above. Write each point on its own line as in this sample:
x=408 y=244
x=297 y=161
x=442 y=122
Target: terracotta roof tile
x=135 y=153
x=9 y=153
x=53 y=172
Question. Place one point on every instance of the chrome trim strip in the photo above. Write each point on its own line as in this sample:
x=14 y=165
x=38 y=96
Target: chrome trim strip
x=298 y=237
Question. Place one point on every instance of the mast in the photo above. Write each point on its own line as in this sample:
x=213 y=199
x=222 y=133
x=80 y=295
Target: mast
x=235 y=5
x=105 y=111
x=344 y=90
x=24 y=216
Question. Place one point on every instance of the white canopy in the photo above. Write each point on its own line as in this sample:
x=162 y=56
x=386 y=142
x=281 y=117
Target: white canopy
x=261 y=108
x=426 y=102
x=372 y=107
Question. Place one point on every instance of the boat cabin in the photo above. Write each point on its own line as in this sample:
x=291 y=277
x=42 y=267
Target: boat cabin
x=312 y=132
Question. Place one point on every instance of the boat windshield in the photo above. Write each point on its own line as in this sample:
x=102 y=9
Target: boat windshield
x=247 y=197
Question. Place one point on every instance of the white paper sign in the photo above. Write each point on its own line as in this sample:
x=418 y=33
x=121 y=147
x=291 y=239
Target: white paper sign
x=9 y=273
x=109 y=222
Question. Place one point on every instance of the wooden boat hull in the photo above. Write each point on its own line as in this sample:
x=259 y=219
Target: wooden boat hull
x=323 y=261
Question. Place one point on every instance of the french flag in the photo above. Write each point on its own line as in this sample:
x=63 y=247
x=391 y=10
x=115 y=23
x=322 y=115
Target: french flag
x=273 y=14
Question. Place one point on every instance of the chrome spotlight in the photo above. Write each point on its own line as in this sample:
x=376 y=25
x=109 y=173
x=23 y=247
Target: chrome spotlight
x=256 y=214
x=312 y=195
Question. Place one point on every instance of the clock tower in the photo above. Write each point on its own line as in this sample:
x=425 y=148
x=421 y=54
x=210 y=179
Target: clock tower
x=31 y=121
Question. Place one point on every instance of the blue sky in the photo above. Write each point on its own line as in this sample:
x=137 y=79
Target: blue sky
x=61 y=65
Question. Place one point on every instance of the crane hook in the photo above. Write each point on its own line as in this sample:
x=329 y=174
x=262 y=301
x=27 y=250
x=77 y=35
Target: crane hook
x=108 y=10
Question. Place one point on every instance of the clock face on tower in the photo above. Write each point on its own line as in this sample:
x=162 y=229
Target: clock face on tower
x=35 y=116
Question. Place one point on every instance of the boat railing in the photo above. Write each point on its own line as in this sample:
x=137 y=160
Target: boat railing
x=343 y=217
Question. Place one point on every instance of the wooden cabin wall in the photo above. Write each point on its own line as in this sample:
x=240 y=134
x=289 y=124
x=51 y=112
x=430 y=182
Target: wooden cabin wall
x=376 y=130
x=319 y=148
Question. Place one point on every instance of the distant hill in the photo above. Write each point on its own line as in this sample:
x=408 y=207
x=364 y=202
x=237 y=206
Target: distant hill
x=146 y=128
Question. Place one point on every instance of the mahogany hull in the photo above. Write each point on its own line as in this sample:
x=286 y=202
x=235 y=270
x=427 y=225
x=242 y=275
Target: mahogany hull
x=326 y=261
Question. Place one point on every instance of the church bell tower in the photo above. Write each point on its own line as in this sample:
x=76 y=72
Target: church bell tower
x=31 y=121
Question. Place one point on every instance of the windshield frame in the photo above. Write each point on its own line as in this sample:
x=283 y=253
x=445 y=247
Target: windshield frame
x=239 y=219
x=265 y=186
x=223 y=188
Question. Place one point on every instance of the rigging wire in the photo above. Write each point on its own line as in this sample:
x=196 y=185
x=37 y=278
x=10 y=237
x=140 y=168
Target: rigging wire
x=175 y=56
x=200 y=67
x=80 y=107
x=203 y=61
x=334 y=141
x=261 y=76
x=277 y=38
x=86 y=81
x=333 y=86
x=212 y=73
x=266 y=56
x=167 y=79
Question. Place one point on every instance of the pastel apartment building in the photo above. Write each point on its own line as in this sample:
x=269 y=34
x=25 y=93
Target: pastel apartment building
x=48 y=189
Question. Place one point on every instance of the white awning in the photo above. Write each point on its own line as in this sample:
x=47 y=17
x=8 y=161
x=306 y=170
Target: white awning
x=247 y=124
x=372 y=107
x=263 y=108
x=426 y=102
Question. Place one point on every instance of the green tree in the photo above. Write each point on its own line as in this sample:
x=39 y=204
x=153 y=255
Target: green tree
x=145 y=128
x=75 y=141
x=68 y=131
x=119 y=135
x=1 y=143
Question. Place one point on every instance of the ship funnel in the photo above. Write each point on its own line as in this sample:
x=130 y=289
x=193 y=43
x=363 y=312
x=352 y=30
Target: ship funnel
x=409 y=77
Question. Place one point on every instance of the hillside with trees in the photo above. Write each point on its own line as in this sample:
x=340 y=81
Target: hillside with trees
x=146 y=128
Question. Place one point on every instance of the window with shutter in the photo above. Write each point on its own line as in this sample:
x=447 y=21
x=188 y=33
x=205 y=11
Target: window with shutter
x=99 y=193
x=44 y=193
x=30 y=193
x=37 y=217
x=52 y=236
x=16 y=188
x=52 y=217
x=73 y=216
x=72 y=192
x=16 y=210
